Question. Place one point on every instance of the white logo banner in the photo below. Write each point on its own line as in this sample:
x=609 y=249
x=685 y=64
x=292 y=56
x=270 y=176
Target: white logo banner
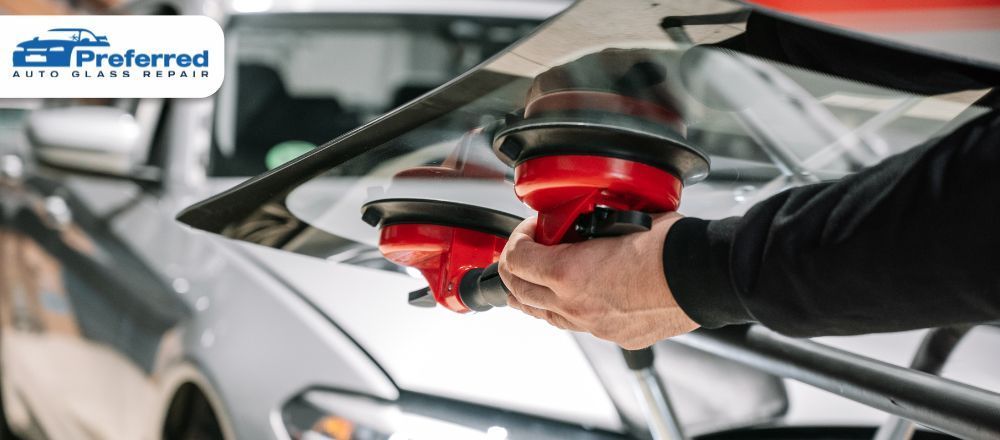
x=83 y=56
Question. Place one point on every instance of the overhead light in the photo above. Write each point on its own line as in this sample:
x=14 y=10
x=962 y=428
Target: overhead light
x=414 y=272
x=496 y=433
x=252 y=5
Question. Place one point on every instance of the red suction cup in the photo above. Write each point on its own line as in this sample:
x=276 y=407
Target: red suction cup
x=583 y=154
x=442 y=239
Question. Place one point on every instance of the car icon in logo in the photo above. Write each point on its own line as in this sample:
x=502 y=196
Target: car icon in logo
x=55 y=47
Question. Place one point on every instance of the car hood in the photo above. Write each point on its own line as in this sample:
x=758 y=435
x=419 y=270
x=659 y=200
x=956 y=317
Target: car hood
x=501 y=359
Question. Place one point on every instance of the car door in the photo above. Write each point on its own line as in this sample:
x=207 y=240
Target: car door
x=81 y=317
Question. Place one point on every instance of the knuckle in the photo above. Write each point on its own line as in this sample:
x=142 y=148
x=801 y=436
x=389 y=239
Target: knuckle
x=534 y=312
x=601 y=331
x=524 y=290
x=576 y=310
x=559 y=273
x=514 y=303
x=508 y=277
x=513 y=256
x=631 y=345
x=565 y=266
x=503 y=266
x=515 y=285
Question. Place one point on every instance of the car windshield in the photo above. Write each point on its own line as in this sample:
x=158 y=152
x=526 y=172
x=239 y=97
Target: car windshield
x=743 y=86
x=60 y=35
x=297 y=81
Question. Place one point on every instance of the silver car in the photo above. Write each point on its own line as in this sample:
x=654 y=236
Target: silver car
x=119 y=322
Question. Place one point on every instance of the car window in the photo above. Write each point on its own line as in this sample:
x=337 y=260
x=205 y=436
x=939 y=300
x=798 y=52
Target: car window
x=61 y=35
x=296 y=81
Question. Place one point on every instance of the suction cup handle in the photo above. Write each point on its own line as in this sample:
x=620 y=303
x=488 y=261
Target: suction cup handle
x=482 y=289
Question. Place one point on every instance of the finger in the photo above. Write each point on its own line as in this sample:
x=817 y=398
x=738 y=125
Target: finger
x=526 y=259
x=527 y=227
x=528 y=310
x=551 y=317
x=562 y=322
x=513 y=303
x=530 y=294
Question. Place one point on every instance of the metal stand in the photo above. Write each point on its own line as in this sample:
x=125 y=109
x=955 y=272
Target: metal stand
x=930 y=358
x=652 y=395
x=953 y=408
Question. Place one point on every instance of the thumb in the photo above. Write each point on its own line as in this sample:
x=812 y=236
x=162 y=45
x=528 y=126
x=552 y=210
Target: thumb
x=526 y=227
x=525 y=258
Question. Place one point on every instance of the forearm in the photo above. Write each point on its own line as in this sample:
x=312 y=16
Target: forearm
x=910 y=243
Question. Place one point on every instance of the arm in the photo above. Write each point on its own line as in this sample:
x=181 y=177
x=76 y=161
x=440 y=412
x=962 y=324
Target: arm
x=910 y=243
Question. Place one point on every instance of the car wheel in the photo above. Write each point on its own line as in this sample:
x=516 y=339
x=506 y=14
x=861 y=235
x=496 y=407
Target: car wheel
x=5 y=431
x=190 y=417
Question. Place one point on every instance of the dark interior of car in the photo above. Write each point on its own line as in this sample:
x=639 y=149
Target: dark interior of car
x=268 y=115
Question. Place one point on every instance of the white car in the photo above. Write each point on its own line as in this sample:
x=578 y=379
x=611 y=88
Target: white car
x=119 y=322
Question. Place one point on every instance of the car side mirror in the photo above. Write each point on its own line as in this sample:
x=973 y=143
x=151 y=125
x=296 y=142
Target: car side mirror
x=89 y=139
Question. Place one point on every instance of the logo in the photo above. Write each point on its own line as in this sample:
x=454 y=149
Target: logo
x=111 y=56
x=55 y=47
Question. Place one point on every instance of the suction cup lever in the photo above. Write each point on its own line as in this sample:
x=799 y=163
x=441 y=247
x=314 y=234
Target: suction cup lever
x=422 y=298
x=606 y=222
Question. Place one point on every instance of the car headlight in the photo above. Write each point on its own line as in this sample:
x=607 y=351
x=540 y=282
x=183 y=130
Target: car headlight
x=57 y=49
x=328 y=415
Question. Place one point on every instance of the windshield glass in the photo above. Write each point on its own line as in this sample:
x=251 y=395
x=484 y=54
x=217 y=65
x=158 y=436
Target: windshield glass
x=745 y=88
x=297 y=81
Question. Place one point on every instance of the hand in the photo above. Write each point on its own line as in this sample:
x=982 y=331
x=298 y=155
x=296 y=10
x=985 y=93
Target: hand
x=612 y=288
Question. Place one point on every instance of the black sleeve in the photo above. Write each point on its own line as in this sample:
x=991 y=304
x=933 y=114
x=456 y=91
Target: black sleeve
x=912 y=242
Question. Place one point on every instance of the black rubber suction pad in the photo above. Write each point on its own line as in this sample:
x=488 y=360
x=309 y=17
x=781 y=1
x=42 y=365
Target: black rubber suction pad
x=385 y=212
x=601 y=134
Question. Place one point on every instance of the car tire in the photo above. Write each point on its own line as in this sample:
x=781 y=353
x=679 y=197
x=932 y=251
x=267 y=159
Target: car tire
x=190 y=417
x=5 y=431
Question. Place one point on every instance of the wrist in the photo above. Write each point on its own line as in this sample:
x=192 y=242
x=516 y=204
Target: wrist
x=695 y=262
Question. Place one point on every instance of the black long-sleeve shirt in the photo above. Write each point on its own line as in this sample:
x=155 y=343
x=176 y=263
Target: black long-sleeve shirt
x=912 y=242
